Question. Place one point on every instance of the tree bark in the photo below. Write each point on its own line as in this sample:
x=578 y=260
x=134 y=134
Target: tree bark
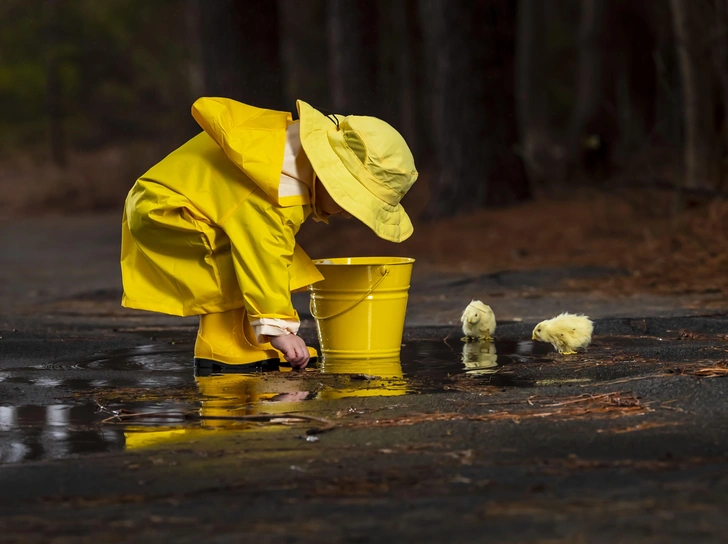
x=721 y=62
x=304 y=50
x=531 y=75
x=240 y=51
x=721 y=49
x=468 y=48
x=406 y=76
x=54 y=85
x=457 y=182
x=397 y=97
x=347 y=72
x=196 y=72
x=221 y=49
x=701 y=168
x=589 y=73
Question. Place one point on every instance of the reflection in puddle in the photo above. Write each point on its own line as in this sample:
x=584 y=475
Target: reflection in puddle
x=480 y=357
x=431 y=364
x=372 y=378
x=151 y=358
x=55 y=431
x=29 y=433
x=242 y=394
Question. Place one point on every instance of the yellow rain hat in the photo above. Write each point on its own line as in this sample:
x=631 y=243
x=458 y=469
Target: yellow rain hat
x=364 y=164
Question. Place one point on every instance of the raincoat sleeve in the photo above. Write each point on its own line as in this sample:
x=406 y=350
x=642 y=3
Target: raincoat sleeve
x=262 y=245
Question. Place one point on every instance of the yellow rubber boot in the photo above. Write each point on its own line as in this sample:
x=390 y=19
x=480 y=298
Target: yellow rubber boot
x=267 y=346
x=223 y=346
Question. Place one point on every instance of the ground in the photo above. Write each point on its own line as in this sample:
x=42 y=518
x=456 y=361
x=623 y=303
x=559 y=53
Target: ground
x=623 y=442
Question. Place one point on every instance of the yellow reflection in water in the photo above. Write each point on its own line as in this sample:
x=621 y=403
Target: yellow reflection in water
x=480 y=357
x=223 y=398
x=139 y=437
x=381 y=377
x=229 y=395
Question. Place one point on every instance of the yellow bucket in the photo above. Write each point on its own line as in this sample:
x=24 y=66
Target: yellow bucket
x=360 y=306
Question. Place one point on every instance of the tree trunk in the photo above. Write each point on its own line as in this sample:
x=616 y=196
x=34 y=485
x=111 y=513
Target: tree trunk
x=54 y=86
x=221 y=49
x=304 y=51
x=457 y=181
x=194 y=43
x=531 y=77
x=721 y=49
x=589 y=73
x=405 y=75
x=721 y=62
x=347 y=62
x=469 y=53
x=701 y=168
x=396 y=78
x=240 y=51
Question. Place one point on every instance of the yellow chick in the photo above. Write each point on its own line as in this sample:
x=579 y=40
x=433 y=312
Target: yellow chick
x=566 y=332
x=478 y=321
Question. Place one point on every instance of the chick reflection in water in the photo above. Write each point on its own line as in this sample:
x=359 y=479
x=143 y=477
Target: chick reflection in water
x=480 y=357
x=225 y=397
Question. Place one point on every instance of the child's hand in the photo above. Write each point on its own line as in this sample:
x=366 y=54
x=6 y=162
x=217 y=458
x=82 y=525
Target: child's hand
x=293 y=348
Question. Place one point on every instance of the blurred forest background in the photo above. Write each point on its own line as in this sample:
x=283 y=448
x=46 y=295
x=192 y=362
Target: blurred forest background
x=502 y=101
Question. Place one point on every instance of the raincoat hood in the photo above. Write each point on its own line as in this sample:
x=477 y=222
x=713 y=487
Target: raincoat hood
x=253 y=139
x=212 y=226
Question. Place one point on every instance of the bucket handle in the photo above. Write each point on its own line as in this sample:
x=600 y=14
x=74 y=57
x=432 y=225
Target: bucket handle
x=383 y=270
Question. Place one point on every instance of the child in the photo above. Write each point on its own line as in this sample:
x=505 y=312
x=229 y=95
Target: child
x=210 y=230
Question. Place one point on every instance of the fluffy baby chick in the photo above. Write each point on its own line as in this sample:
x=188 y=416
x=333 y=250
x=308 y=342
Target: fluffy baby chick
x=566 y=332
x=478 y=321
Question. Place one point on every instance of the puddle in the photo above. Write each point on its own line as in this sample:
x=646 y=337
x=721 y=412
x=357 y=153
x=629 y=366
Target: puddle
x=438 y=360
x=29 y=433
x=151 y=358
x=36 y=431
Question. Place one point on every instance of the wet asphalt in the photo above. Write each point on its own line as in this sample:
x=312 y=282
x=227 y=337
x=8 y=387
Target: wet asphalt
x=106 y=435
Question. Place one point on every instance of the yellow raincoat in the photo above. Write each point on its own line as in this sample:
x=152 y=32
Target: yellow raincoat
x=210 y=228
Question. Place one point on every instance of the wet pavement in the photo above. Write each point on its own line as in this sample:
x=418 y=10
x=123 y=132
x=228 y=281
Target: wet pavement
x=126 y=444
x=106 y=434
x=63 y=406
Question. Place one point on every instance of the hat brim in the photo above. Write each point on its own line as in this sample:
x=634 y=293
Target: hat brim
x=388 y=222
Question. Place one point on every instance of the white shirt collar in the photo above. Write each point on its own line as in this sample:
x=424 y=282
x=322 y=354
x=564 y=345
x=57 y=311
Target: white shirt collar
x=297 y=172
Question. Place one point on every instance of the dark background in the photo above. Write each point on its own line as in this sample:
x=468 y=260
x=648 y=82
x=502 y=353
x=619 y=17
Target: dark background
x=534 y=108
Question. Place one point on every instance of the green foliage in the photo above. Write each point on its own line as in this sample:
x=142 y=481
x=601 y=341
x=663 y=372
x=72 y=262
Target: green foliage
x=122 y=68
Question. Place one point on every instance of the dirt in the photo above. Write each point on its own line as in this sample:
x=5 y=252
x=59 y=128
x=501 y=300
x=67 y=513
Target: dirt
x=632 y=230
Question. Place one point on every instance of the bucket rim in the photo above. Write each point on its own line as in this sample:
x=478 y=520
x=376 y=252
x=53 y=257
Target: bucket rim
x=364 y=261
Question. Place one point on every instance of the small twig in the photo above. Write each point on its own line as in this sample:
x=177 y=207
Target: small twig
x=132 y=415
x=120 y=418
x=671 y=408
x=639 y=427
x=498 y=403
x=102 y=409
x=448 y=336
x=709 y=372
x=624 y=380
x=584 y=399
